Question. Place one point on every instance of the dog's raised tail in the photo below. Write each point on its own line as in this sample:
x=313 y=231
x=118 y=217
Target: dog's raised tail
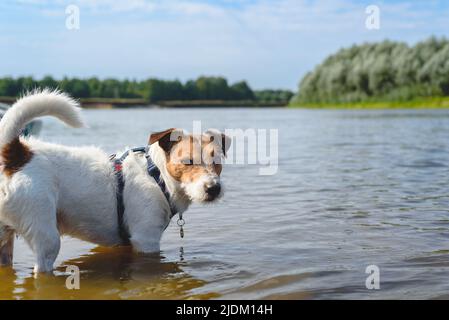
x=37 y=104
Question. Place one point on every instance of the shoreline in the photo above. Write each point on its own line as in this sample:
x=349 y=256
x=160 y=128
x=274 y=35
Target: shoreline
x=418 y=103
x=115 y=103
x=220 y=104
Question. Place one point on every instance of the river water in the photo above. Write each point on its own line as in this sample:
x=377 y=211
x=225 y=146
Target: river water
x=353 y=188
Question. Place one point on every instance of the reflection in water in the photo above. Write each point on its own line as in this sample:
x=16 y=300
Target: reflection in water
x=107 y=273
x=8 y=279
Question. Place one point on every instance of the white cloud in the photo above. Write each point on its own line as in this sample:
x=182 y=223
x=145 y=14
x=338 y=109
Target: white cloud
x=32 y=2
x=117 y=5
x=269 y=43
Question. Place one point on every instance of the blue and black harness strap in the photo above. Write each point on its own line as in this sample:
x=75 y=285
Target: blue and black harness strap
x=153 y=171
x=123 y=232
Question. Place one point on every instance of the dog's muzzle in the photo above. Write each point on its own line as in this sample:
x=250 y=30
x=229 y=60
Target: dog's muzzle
x=213 y=191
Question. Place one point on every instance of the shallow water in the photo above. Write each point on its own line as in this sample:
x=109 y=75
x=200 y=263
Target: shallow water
x=354 y=188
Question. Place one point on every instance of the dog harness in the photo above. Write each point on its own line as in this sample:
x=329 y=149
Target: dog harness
x=155 y=173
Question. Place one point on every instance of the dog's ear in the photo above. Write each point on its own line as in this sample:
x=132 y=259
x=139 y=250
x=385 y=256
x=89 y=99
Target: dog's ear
x=166 y=138
x=223 y=140
x=225 y=143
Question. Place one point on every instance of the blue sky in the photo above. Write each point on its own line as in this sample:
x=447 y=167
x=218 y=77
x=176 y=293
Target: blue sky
x=269 y=43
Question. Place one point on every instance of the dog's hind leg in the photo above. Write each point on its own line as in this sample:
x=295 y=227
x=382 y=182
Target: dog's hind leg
x=31 y=210
x=45 y=241
x=6 y=245
x=46 y=248
x=42 y=234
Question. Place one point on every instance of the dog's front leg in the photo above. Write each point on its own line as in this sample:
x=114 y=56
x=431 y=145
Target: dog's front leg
x=146 y=236
x=148 y=242
x=146 y=222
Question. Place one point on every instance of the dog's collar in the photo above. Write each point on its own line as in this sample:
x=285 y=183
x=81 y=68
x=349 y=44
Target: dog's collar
x=154 y=172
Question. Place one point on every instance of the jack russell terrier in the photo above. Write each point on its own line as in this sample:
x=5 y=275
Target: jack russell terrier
x=47 y=190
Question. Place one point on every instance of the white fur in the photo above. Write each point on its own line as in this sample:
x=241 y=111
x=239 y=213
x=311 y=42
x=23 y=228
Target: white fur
x=72 y=190
x=196 y=189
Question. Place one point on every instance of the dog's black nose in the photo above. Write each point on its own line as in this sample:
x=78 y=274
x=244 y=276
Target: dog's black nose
x=213 y=190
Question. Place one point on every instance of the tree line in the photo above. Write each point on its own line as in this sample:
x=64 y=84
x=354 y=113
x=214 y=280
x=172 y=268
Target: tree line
x=385 y=71
x=152 y=90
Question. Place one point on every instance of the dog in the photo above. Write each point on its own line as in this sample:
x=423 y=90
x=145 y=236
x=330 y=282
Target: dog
x=48 y=190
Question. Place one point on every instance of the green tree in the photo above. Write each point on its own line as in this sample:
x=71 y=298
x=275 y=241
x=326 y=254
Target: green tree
x=48 y=82
x=26 y=84
x=212 y=88
x=190 y=90
x=153 y=90
x=386 y=70
x=241 y=91
x=9 y=87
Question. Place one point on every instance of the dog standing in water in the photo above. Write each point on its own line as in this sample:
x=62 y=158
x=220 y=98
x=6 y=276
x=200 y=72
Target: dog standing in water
x=48 y=190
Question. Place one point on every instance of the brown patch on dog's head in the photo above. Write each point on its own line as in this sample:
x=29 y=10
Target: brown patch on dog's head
x=14 y=156
x=166 y=138
x=189 y=157
x=212 y=153
x=193 y=159
x=184 y=161
x=218 y=139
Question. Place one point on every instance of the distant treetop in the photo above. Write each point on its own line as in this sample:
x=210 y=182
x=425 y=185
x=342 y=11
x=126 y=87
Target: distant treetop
x=152 y=90
x=389 y=71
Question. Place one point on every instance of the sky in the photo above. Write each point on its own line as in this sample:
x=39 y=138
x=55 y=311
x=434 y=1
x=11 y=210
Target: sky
x=269 y=43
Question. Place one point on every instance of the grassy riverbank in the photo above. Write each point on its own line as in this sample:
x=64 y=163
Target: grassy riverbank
x=220 y=103
x=109 y=103
x=418 y=103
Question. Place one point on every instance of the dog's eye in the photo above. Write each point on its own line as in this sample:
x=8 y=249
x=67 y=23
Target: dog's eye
x=187 y=162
